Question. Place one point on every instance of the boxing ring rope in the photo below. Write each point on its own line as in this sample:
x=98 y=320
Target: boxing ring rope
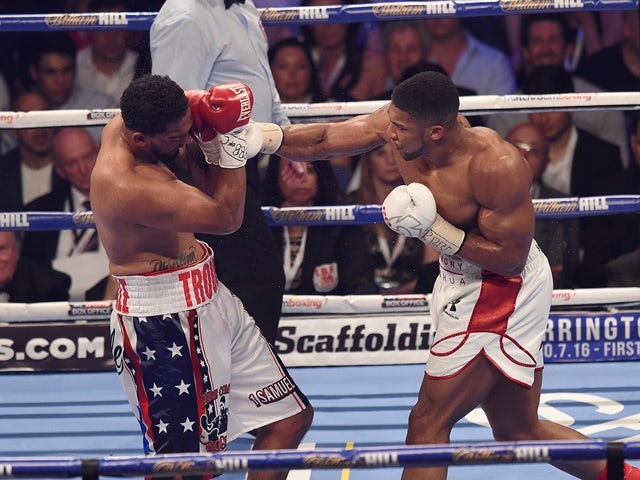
x=545 y=209
x=373 y=457
x=371 y=12
x=472 y=105
x=308 y=304
x=327 y=458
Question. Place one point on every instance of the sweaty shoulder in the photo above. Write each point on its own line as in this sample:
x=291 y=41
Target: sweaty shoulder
x=496 y=160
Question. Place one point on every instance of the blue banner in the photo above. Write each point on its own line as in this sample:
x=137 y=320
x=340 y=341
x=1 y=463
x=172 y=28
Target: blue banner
x=592 y=337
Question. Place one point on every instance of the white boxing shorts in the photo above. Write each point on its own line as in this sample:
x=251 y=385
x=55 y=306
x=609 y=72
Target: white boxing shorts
x=195 y=367
x=476 y=312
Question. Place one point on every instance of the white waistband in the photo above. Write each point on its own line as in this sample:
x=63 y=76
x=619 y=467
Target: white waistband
x=454 y=265
x=169 y=291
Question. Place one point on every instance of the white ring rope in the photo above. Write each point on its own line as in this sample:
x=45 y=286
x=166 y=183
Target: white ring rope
x=473 y=105
x=314 y=304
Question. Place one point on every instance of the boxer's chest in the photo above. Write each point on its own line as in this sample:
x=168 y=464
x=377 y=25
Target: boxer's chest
x=451 y=187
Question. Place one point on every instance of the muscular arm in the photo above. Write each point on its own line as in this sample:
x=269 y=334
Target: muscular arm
x=129 y=193
x=319 y=141
x=227 y=187
x=505 y=224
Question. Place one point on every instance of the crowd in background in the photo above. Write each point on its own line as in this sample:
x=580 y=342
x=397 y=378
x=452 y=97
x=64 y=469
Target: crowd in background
x=587 y=153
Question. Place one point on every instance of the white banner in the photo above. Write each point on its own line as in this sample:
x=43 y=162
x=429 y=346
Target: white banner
x=354 y=340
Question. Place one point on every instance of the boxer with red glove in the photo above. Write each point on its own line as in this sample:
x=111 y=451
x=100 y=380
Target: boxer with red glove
x=223 y=109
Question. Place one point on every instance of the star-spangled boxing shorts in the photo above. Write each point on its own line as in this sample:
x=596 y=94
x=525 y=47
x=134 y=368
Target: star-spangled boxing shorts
x=476 y=312
x=196 y=370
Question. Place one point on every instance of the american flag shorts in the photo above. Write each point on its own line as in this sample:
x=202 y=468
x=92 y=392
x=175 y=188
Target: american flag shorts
x=201 y=374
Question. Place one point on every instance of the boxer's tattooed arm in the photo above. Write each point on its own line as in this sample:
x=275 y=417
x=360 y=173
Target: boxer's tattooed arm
x=185 y=258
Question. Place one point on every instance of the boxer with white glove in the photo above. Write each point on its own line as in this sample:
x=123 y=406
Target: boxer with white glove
x=255 y=138
x=410 y=210
x=219 y=116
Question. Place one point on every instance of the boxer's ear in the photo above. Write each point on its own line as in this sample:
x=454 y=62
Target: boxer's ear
x=139 y=139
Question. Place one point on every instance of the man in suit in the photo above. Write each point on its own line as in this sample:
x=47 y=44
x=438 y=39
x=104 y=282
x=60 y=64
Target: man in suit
x=624 y=270
x=581 y=165
x=26 y=171
x=77 y=252
x=52 y=69
x=25 y=281
x=546 y=39
x=558 y=239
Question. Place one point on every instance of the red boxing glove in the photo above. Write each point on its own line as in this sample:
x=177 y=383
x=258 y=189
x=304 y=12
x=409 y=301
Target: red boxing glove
x=199 y=129
x=223 y=108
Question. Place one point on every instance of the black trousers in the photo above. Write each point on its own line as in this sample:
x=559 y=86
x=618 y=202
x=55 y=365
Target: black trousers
x=250 y=265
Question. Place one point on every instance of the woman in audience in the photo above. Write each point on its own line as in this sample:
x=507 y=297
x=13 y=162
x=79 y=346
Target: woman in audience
x=294 y=72
x=346 y=71
x=317 y=260
x=402 y=264
x=296 y=80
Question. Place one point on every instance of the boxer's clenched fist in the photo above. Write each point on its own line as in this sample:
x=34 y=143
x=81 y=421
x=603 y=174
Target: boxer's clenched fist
x=223 y=109
x=263 y=138
x=410 y=210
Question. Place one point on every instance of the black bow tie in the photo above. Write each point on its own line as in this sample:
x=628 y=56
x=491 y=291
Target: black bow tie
x=228 y=3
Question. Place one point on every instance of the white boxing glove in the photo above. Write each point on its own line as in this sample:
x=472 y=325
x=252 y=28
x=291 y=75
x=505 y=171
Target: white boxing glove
x=226 y=151
x=410 y=210
x=262 y=138
x=233 y=149
x=210 y=148
x=244 y=143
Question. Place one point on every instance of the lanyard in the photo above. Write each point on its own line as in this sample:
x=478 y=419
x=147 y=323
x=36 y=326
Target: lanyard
x=390 y=257
x=290 y=269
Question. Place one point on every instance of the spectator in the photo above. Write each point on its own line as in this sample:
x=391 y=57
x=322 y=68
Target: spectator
x=405 y=43
x=52 y=67
x=401 y=264
x=296 y=80
x=617 y=68
x=26 y=171
x=76 y=252
x=107 y=64
x=469 y=62
x=25 y=281
x=580 y=165
x=624 y=271
x=318 y=260
x=546 y=39
x=346 y=71
x=294 y=72
x=558 y=239
x=228 y=45
x=589 y=31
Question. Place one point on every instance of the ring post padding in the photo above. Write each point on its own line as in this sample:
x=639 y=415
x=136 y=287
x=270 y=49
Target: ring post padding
x=90 y=469
x=615 y=461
